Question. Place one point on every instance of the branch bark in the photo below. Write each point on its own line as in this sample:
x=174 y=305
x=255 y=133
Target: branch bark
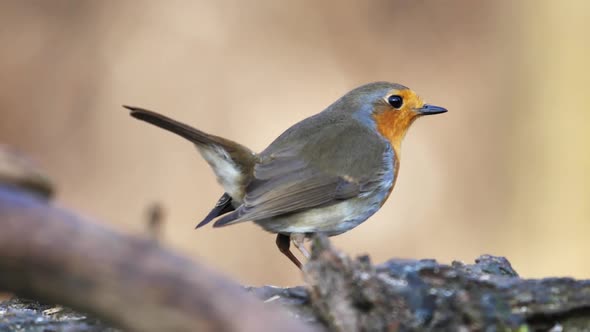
x=422 y=295
x=53 y=255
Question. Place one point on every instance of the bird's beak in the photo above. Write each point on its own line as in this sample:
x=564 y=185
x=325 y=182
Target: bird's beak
x=428 y=109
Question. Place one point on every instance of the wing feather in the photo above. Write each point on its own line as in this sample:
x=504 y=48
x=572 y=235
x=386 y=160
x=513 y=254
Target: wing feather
x=289 y=178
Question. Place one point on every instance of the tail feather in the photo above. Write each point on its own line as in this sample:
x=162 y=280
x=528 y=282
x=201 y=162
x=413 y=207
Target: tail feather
x=222 y=207
x=192 y=134
x=227 y=219
x=232 y=163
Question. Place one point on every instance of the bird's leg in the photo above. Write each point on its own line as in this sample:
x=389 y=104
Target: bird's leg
x=284 y=242
x=298 y=239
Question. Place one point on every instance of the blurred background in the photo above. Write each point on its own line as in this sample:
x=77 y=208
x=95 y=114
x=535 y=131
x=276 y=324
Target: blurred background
x=505 y=172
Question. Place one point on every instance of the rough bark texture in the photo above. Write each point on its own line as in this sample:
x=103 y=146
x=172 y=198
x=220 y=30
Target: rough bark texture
x=31 y=316
x=407 y=295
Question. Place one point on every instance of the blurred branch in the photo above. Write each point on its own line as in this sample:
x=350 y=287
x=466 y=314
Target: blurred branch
x=56 y=256
x=53 y=255
x=155 y=221
x=18 y=170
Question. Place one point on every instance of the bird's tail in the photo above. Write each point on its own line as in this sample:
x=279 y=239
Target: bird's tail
x=232 y=163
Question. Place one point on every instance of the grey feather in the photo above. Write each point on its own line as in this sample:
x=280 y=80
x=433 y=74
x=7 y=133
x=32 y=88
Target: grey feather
x=326 y=167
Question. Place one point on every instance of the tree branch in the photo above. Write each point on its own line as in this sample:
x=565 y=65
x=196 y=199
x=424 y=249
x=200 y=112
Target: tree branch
x=53 y=255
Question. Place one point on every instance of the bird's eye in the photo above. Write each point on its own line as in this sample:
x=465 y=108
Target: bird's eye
x=395 y=101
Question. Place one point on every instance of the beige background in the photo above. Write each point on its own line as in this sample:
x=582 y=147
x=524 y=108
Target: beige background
x=504 y=172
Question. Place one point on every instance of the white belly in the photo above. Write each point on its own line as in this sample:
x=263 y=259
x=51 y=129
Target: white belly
x=331 y=220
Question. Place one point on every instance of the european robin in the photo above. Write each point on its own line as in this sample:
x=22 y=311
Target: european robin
x=327 y=173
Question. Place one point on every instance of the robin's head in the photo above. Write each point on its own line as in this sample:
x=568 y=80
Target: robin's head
x=391 y=108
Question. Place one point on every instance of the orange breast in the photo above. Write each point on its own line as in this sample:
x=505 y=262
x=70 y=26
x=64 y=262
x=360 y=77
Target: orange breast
x=393 y=125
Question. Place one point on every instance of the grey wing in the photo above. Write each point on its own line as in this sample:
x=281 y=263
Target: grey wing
x=290 y=178
x=287 y=184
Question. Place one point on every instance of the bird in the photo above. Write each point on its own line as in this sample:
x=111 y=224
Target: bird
x=325 y=174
